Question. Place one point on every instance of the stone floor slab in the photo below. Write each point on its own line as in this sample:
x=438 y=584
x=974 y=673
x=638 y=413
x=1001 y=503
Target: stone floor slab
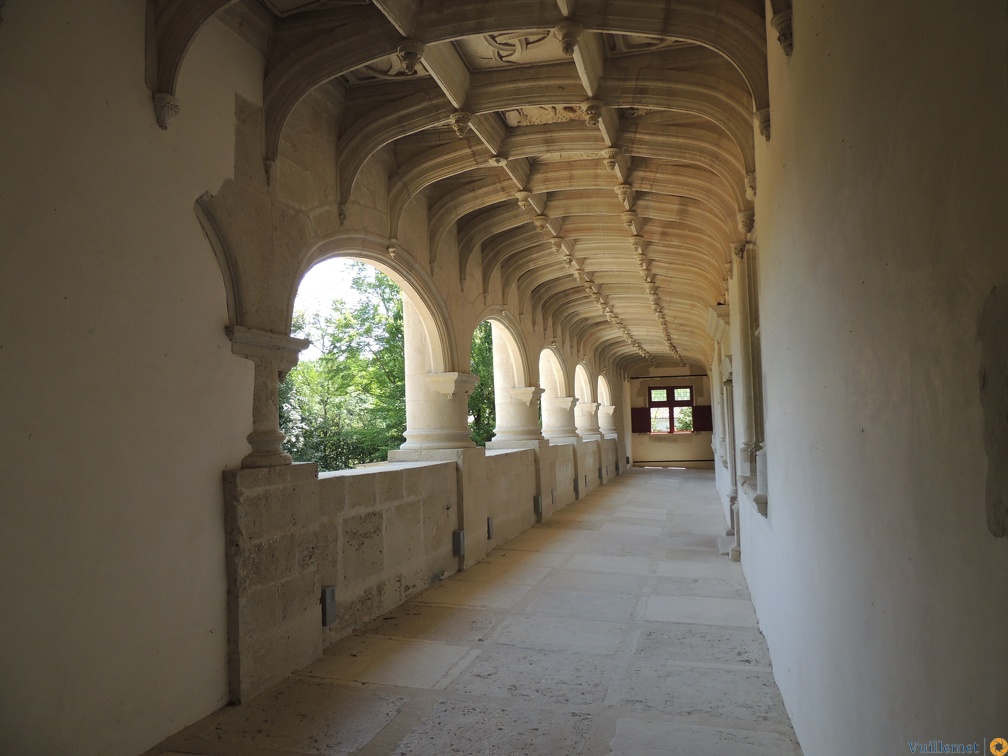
x=699 y=610
x=475 y=728
x=635 y=737
x=388 y=661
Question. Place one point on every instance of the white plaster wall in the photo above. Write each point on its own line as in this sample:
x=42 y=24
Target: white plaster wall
x=880 y=219
x=122 y=401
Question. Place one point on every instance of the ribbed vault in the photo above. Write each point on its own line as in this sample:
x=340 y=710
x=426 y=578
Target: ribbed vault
x=589 y=163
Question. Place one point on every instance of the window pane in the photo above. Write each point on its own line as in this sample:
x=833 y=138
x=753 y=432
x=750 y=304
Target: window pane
x=659 y=395
x=659 y=419
x=683 y=418
x=683 y=394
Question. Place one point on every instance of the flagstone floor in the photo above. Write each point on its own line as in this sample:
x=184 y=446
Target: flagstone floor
x=616 y=627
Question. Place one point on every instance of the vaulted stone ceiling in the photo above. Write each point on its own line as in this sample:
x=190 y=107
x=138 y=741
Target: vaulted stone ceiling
x=595 y=158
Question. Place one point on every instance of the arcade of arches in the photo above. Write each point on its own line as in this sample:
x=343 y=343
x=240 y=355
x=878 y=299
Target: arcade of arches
x=781 y=214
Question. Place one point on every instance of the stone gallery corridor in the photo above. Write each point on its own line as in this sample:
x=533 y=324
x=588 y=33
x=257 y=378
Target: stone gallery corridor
x=616 y=628
x=759 y=240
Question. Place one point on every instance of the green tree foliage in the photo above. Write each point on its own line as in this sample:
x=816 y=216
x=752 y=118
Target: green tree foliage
x=482 y=415
x=348 y=406
x=684 y=418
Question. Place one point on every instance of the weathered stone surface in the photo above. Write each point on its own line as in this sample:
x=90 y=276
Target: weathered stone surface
x=363 y=540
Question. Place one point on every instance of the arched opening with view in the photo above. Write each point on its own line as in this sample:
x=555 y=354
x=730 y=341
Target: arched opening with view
x=344 y=403
x=482 y=408
x=516 y=400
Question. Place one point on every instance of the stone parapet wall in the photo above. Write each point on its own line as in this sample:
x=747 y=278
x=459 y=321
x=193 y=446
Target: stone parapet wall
x=565 y=462
x=385 y=534
x=272 y=545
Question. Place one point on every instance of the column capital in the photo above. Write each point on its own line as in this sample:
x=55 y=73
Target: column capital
x=526 y=394
x=566 y=402
x=450 y=384
x=266 y=346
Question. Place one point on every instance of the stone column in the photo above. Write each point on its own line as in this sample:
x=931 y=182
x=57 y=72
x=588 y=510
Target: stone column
x=517 y=414
x=439 y=417
x=607 y=420
x=588 y=427
x=437 y=401
x=558 y=419
x=273 y=356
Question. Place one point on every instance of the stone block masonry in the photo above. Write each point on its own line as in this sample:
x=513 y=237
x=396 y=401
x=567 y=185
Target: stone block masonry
x=272 y=547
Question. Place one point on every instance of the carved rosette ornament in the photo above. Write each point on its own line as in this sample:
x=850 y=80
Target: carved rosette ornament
x=409 y=53
x=609 y=156
x=166 y=108
x=750 y=186
x=629 y=218
x=523 y=198
x=541 y=222
x=781 y=23
x=623 y=192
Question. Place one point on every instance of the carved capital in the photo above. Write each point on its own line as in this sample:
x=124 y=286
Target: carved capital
x=624 y=192
x=629 y=218
x=541 y=222
x=781 y=23
x=739 y=249
x=526 y=394
x=166 y=108
x=265 y=346
x=565 y=402
x=460 y=122
x=409 y=53
x=750 y=186
x=450 y=384
x=523 y=198
x=393 y=247
x=557 y=243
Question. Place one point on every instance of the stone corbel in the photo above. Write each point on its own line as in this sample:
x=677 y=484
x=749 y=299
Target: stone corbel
x=747 y=221
x=409 y=53
x=273 y=355
x=526 y=394
x=450 y=384
x=781 y=22
x=762 y=120
x=592 y=110
x=750 y=186
x=460 y=122
x=166 y=107
x=567 y=32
